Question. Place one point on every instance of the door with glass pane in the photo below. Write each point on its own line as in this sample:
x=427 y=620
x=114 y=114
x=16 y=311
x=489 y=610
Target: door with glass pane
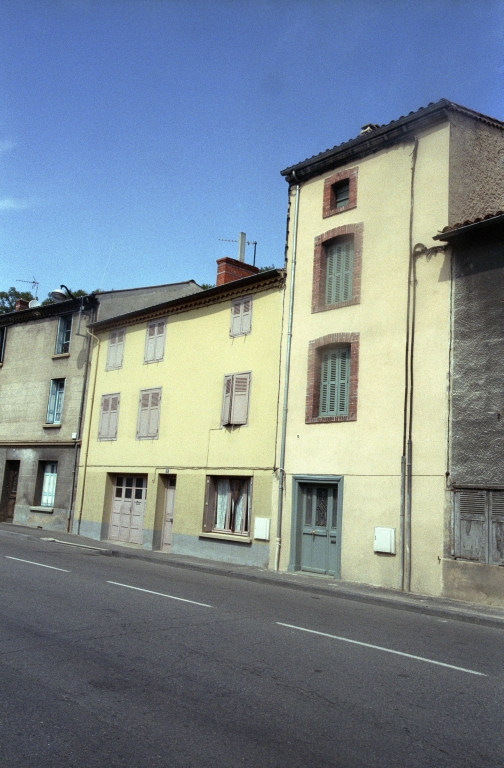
x=128 y=506
x=319 y=529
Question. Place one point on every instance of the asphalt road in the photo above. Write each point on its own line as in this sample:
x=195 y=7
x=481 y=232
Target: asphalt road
x=114 y=662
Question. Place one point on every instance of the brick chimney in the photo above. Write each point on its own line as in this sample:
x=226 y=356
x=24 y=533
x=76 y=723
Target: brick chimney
x=229 y=269
x=21 y=304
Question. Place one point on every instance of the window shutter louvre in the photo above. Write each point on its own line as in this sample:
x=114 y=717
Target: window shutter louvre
x=226 y=400
x=334 y=382
x=471 y=533
x=247 y=316
x=150 y=342
x=143 y=415
x=113 y=416
x=240 y=398
x=236 y=318
x=497 y=520
x=347 y=269
x=155 y=400
x=103 y=429
x=339 y=271
x=160 y=340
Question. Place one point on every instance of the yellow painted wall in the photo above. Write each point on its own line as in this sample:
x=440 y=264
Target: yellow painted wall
x=367 y=452
x=198 y=353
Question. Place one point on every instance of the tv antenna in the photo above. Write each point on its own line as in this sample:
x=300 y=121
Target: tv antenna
x=241 y=245
x=34 y=285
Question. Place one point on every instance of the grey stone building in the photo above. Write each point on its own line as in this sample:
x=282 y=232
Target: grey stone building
x=44 y=360
x=475 y=476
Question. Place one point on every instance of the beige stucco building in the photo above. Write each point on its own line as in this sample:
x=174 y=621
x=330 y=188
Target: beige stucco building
x=179 y=440
x=364 y=461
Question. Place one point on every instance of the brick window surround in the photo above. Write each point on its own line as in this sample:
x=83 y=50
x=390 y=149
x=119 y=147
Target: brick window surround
x=319 y=266
x=329 y=205
x=315 y=349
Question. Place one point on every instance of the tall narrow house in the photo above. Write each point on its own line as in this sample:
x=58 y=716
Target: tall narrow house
x=364 y=448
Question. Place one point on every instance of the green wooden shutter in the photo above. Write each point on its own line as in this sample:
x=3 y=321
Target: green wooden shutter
x=339 y=270
x=334 y=382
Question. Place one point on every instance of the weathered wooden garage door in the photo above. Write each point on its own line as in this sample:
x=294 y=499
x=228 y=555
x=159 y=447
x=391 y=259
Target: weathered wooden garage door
x=319 y=544
x=128 y=508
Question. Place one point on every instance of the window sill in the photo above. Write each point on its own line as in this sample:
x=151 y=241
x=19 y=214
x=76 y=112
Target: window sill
x=226 y=537
x=63 y=354
x=341 y=209
x=51 y=426
x=337 y=305
x=46 y=510
x=330 y=419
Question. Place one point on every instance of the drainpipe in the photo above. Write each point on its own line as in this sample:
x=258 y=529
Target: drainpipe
x=81 y=413
x=281 y=468
x=91 y=404
x=407 y=455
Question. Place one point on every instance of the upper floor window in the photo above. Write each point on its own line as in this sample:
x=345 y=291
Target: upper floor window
x=55 y=404
x=333 y=372
x=109 y=413
x=63 y=335
x=340 y=192
x=154 y=341
x=49 y=484
x=337 y=267
x=338 y=273
x=148 y=414
x=227 y=505
x=235 y=399
x=3 y=337
x=115 y=349
x=241 y=316
x=334 y=381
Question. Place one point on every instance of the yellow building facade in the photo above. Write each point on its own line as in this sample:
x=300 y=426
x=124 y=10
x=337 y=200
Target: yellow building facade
x=364 y=461
x=179 y=442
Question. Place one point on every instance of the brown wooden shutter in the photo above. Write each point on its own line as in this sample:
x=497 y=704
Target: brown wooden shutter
x=240 y=398
x=209 y=511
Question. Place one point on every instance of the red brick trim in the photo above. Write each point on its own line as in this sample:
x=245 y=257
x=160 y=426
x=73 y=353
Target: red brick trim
x=319 y=266
x=329 y=206
x=315 y=348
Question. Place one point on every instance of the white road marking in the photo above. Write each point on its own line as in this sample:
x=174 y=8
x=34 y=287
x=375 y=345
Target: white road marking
x=380 y=648
x=161 y=594
x=52 y=567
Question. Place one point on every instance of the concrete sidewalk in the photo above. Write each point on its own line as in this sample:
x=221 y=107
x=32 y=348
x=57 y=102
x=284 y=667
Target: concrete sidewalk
x=456 y=610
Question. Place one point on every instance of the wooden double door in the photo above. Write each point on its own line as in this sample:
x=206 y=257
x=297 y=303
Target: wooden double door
x=128 y=507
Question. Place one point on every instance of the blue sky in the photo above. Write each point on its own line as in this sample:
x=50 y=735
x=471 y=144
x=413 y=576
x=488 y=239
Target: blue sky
x=136 y=133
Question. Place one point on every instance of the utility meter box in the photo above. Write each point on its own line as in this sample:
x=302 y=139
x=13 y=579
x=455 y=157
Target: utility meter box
x=384 y=540
x=262 y=528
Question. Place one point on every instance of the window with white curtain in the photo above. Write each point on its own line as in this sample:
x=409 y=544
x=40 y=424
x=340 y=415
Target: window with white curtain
x=227 y=505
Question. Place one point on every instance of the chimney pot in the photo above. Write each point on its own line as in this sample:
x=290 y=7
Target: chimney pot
x=21 y=304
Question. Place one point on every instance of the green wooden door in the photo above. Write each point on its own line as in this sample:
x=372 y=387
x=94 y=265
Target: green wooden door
x=319 y=540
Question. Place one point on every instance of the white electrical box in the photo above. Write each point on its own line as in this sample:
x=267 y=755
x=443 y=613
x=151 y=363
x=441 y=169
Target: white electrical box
x=384 y=540
x=262 y=528
x=74 y=435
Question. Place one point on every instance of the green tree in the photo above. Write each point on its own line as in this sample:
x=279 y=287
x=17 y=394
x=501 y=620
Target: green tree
x=8 y=299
